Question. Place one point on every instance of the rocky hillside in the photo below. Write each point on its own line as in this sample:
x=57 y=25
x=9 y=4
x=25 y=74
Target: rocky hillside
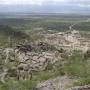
x=51 y=56
x=71 y=40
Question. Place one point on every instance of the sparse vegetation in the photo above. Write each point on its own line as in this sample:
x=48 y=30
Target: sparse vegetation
x=33 y=31
x=78 y=67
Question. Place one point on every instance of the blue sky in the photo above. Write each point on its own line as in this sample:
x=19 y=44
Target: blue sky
x=43 y=5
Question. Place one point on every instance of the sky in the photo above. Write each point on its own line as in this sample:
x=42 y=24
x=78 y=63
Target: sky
x=85 y=3
x=43 y=5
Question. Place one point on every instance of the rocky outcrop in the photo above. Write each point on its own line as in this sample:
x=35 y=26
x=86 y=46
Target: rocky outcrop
x=58 y=83
x=22 y=61
x=71 y=40
x=86 y=87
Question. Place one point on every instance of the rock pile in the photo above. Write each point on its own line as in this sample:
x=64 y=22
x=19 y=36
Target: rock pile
x=22 y=61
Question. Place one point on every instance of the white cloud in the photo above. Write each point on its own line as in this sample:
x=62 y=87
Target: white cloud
x=83 y=5
x=28 y=1
x=80 y=3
